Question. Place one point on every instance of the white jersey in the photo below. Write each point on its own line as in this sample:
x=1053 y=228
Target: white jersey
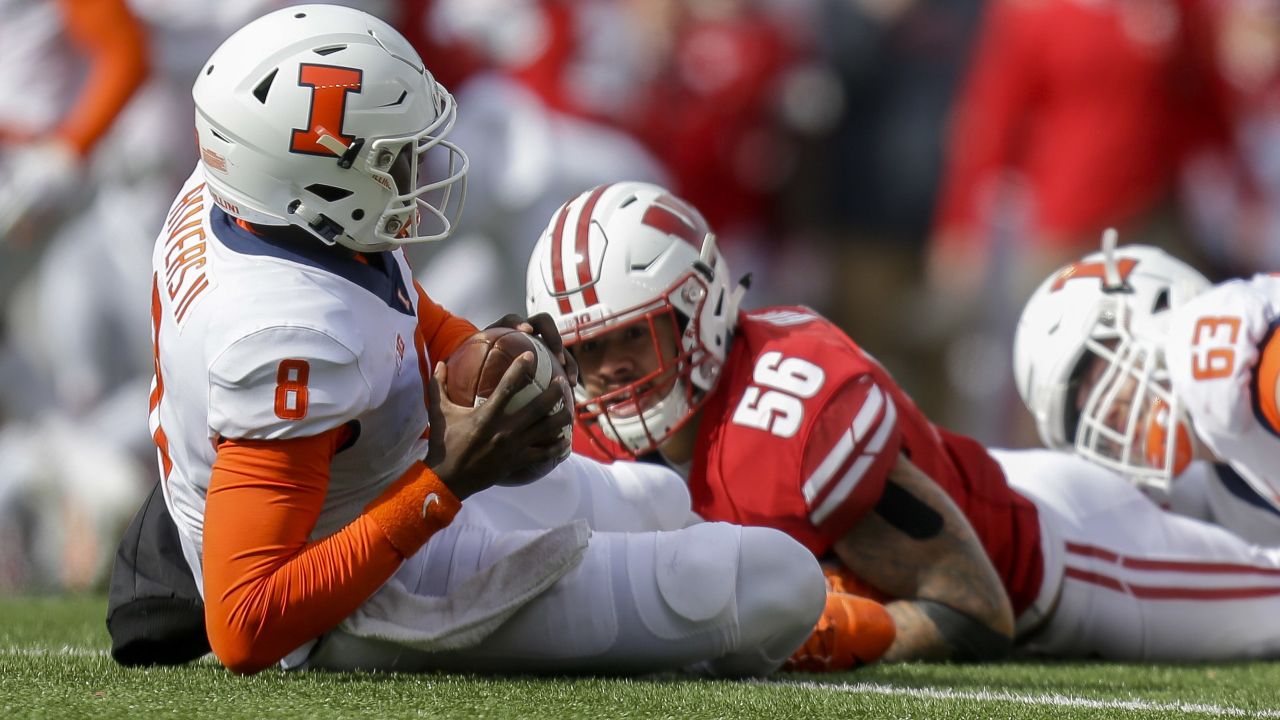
x=1223 y=364
x=1125 y=580
x=262 y=339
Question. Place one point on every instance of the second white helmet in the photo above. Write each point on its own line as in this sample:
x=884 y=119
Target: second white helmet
x=1112 y=305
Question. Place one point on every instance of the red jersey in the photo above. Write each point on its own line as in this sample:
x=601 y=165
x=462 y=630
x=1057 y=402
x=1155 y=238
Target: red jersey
x=803 y=429
x=1096 y=104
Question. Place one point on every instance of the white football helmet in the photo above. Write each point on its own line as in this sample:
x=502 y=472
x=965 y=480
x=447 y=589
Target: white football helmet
x=1113 y=305
x=629 y=253
x=322 y=116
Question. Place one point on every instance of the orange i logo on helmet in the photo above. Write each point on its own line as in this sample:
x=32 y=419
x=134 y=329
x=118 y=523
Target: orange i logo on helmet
x=1080 y=270
x=329 y=87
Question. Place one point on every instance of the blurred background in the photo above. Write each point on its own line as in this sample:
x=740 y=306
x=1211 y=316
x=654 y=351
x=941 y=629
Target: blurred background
x=909 y=168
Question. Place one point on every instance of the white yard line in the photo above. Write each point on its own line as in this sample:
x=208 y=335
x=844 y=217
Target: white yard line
x=64 y=651
x=1052 y=700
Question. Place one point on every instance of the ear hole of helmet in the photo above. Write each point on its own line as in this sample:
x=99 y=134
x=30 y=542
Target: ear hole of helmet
x=1071 y=408
x=1162 y=301
x=263 y=88
x=328 y=193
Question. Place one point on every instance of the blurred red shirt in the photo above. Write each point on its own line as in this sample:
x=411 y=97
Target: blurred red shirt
x=1093 y=102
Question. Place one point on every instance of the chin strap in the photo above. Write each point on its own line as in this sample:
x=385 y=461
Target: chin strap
x=318 y=223
x=735 y=298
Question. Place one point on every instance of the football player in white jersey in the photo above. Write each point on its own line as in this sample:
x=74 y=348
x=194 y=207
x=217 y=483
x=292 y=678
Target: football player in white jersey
x=1134 y=360
x=315 y=471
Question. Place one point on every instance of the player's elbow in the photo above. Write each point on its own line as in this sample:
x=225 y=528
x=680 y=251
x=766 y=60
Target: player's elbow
x=240 y=650
x=240 y=656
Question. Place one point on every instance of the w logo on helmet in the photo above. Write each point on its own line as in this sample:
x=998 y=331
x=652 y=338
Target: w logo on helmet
x=1081 y=270
x=329 y=87
x=674 y=216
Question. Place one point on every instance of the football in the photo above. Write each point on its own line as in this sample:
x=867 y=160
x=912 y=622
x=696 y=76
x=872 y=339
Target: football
x=475 y=368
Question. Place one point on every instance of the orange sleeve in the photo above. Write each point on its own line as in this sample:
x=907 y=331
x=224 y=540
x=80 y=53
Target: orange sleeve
x=1266 y=378
x=115 y=43
x=442 y=330
x=267 y=589
x=852 y=631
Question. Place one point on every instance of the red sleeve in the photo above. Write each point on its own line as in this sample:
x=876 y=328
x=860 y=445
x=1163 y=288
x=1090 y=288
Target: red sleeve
x=988 y=114
x=848 y=453
x=442 y=331
x=267 y=589
x=116 y=46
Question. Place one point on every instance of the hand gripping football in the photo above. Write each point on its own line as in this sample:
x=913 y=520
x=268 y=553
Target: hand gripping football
x=474 y=369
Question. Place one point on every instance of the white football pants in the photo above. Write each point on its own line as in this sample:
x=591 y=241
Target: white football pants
x=1125 y=580
x=650 y=594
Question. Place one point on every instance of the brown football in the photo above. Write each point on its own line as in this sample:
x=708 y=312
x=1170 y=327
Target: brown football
x=475 y=368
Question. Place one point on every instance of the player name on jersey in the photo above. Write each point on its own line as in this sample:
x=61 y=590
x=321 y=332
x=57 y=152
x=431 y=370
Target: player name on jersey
x=184 y=253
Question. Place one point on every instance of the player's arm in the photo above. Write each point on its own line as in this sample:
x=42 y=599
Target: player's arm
x=268 y=589
x=441 y=330
x=996 y=96
x=995 y=100
x=916 y=544
x=898 y=530
x=115 y=43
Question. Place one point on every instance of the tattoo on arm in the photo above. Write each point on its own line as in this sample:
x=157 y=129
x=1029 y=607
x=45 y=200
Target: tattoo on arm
x=908 y=513
x=917 y=545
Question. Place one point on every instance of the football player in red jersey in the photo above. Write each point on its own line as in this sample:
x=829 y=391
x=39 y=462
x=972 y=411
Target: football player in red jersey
x=775 y=417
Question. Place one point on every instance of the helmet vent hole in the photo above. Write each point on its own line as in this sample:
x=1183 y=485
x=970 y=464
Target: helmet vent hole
x=264 y=87
x=328 y=193
x=357 y=214
x=1162 y=301
x=330 y=50
x=400 y=100
x=219 y=135
x=208 y=70
x=628 y=201
x=300 y=15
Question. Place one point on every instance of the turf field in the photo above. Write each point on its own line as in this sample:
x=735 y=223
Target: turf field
x=53 y=663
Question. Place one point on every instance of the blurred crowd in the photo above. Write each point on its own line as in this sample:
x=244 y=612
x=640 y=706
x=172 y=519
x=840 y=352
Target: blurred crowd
x=909 y=168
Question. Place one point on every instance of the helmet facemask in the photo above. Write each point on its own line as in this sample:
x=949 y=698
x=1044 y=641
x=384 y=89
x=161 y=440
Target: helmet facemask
x=399 y=163
x=641 y=415
x=1129 y=420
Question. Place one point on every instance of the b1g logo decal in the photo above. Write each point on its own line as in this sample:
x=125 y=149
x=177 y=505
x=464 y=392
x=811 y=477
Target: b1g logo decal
x=329 y=87
x=780 y=409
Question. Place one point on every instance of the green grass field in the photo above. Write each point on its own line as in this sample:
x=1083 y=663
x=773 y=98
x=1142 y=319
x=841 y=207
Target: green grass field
x=54 y=664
